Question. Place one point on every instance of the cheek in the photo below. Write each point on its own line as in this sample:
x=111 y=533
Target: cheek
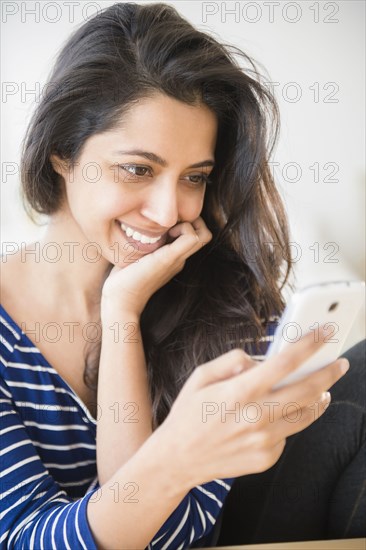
x=96 y=200
x=191 y=203
x=197 y=204
x=79 y=190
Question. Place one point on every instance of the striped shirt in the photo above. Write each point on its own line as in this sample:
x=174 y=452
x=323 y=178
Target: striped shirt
x=48 y=460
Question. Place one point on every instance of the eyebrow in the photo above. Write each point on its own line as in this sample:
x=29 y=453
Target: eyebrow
x=155 y=158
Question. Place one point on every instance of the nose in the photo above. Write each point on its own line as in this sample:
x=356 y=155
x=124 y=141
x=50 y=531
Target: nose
x=161 y=203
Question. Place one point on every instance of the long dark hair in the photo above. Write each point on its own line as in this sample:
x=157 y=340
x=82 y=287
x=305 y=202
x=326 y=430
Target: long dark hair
x=227 y=291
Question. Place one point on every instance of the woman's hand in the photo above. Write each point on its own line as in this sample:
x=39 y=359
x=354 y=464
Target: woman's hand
x=131 y=287
x=225 y=424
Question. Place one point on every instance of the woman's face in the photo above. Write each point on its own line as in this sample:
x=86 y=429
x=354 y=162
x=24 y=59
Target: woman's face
x=134 y=183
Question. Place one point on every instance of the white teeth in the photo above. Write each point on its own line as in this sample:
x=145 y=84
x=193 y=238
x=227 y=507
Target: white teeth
x=137 y=236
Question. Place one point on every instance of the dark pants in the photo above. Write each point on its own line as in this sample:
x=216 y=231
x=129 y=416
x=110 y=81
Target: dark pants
x=317 y=489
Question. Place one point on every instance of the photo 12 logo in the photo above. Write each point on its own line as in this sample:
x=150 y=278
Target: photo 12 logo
x=270 y=12
x=48 y=12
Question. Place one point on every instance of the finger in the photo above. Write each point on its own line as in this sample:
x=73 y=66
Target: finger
x=272 y=409
x=198 y=227
x=272 y=370
x=201 y=229
x=309 y=388
x=204 y=234
x=226 y=366
x=186 y=243
x=182 y=228
x=179 y=249
x=297 y=419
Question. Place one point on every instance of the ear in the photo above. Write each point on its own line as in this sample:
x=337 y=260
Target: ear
x=60 y=165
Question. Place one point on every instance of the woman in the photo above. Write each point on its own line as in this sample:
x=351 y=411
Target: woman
x=149 y=154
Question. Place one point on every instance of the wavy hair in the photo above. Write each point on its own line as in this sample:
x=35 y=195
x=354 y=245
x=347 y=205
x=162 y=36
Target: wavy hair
x=228 y=291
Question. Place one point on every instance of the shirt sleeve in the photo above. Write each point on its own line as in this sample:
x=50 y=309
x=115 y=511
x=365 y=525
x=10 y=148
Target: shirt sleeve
x=194 y=518
x=258 y=350
x=34 y=512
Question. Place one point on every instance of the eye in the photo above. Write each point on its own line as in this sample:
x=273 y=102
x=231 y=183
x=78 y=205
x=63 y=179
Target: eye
x=199 y=179
x=135 y=170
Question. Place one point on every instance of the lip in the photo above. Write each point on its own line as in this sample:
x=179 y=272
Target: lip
x=143 y=231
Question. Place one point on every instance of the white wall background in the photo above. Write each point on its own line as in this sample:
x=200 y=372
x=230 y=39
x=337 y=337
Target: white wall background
x=314 y=51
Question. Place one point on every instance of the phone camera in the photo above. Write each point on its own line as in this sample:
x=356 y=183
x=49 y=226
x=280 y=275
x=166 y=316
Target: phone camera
x=333 y=306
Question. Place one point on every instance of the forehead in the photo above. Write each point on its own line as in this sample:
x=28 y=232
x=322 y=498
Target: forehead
x=167 y=110
x=166 y=126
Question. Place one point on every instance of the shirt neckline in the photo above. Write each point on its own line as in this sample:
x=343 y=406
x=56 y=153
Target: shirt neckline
x=24 y=336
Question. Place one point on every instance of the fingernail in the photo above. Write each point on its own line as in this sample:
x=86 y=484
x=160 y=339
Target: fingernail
x=326 y=396
x=344 y=365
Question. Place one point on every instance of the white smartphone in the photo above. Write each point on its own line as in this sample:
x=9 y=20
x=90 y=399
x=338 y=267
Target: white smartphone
x=334 y=305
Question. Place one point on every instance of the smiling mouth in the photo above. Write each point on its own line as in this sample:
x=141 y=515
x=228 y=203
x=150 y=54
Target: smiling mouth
x=138 y=237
